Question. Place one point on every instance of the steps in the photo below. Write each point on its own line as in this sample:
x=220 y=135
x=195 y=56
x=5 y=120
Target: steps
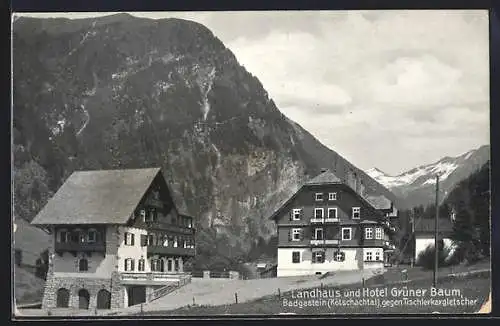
x=171 y=287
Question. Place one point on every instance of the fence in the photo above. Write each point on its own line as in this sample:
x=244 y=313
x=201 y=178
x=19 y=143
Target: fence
x=216 y=274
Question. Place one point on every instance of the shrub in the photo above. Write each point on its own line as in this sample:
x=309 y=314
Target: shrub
x=426 y=258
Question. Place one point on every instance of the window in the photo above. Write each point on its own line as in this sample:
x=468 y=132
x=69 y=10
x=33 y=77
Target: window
x=339 y=256
x=83 y=265
x=377 y=255
x=81 y=237
x=169 y=265
x=64 y=236
x=318 y=234
x=368 y=256
x=141 y=265
x=368 y=233
x=152 y=216
x=319 y=196
x=319 y=213
x=142 y=214
x=332 y=212
x=129 y=264
x=176 y=265
x=332 y=196
x=165 y=240
x=190 y=223
x=296 y=214
x=129 y=239
x=378 y=233
x=356 y=212
x=318 y=257
x=92 y=236
x=346 y=234
x=155 y=265
x=296 y=234
x=296 y=257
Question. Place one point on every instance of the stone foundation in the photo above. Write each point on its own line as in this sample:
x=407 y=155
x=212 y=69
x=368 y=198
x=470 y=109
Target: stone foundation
x=74 y=285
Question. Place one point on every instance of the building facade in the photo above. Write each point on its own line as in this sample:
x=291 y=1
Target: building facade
x=424 y=236
x=327 y=225
x=117 y=239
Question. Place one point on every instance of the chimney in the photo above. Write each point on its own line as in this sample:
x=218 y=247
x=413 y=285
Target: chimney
x=361 y=187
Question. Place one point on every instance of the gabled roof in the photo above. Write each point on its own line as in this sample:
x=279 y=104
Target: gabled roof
x=97 y=197
x=326 y=177
x=379 y=202
x=428 y=225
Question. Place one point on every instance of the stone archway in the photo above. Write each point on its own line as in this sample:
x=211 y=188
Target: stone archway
x=103 y=299
x=62 y=298
x=83 y=299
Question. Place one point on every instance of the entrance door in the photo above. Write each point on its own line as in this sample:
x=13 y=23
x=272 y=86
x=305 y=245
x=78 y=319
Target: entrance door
x=62 y=298
x=83 y=299
x=103 y=299
x=136 y=295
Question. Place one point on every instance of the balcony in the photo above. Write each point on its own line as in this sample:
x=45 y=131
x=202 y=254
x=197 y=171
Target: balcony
x=174 y=251
x=80 y=247
x=152 y=278
x=323 y=220
x=316 y=242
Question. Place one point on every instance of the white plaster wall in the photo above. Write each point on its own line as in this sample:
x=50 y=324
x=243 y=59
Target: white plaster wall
x=373 y=263
x=287 y=268
x=135 y=252
x=423 y=241
x=99 y=264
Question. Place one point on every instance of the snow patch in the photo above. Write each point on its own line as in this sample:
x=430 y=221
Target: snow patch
x=205 y=81
x=87 y=119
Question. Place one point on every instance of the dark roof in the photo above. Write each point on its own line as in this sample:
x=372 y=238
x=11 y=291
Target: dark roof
x=428 y=226
x=326 y=177
x=97 y=197
x=379 y=202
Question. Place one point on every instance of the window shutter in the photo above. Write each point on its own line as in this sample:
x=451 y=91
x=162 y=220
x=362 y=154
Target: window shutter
x=125 y=264
x=301 y=236
x=289 y=235
x=132 y=239
x=290 y=217
x=132 y=264
x=301 y=213
x=143 y=240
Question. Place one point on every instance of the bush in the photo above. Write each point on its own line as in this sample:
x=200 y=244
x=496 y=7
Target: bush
x=426 y=258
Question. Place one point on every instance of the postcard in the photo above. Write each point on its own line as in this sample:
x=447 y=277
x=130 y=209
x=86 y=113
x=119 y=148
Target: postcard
x=250 y=163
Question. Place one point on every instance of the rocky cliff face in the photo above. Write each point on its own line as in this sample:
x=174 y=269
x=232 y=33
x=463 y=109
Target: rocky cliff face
x=126 y=92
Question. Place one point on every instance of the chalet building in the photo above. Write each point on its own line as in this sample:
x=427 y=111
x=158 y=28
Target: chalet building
x=117 y=239
x=425 y=233
x=329 y=224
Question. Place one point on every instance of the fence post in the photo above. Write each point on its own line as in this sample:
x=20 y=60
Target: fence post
x=363 y=282
x=194 y=302
x=279 y=293
x=236 y=297
x=142 y=310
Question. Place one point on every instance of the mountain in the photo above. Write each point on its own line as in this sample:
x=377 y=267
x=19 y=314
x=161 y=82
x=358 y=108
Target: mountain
x=417 y=186
x=127 y=92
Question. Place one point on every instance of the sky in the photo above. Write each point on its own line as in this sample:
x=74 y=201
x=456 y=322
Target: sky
x=387 y=89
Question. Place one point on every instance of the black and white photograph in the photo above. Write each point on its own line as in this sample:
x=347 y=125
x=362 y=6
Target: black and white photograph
x=250 y=163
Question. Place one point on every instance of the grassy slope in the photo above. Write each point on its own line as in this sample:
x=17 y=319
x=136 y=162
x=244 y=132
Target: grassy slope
x=472 y=288
x=28 y=288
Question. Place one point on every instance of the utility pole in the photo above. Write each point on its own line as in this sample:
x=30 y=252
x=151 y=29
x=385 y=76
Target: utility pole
x=412 y=237
x=436 y=247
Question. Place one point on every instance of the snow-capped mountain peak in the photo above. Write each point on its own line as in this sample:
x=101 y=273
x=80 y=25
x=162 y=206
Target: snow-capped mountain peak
x=450 y=170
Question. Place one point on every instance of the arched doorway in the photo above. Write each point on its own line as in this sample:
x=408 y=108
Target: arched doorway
x=83 y=299
x=62 y=300
x=103 y=299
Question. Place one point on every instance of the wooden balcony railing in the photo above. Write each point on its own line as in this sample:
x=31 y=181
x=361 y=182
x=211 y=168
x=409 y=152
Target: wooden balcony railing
x=80 y=246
